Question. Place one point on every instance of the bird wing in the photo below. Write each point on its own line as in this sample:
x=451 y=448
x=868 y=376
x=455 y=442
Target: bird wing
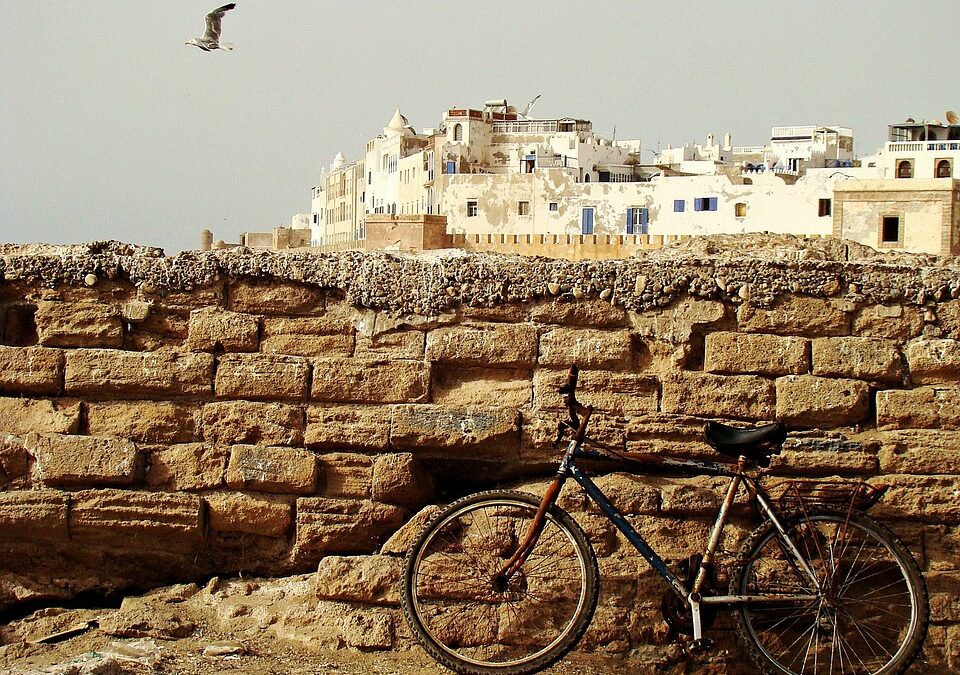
x=213 y=21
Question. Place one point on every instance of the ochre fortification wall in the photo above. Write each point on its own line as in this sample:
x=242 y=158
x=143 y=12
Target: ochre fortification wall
x=169 y=419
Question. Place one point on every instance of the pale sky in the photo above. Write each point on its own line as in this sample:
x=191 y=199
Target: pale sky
x=112 y=128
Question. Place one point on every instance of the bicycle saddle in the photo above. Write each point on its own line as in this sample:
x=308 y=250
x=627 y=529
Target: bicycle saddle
x=756 y=443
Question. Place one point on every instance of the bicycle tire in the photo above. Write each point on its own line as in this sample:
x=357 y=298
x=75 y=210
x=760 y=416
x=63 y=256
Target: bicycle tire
x=469 y=623
x=871 y=609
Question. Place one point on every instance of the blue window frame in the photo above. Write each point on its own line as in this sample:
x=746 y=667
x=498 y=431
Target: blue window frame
x=586 y=223
x=451 y=167
x=637 y=220
x=679 y=205
x=705 y=204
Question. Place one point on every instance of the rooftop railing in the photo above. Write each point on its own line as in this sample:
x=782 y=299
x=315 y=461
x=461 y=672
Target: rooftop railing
x=922 y=146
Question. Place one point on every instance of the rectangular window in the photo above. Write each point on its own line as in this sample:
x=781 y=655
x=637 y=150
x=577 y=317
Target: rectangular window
x=824 y=208
x=523 y=208
x=705 y=204
x=451 y=167
x=679 y=205
x=890 y=230
x=553 y=206
x=586 y=224
x=472 y=209
x=740 y=210
x=637 y=220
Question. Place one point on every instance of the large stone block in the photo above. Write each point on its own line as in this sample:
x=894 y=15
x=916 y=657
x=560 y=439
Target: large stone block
x=161 y=330
x=587 y=313
x=492 y=433
x=398 y=478
x=358 y=381
x=368 y=579
x=454 y=386
x=272 y=469
x=756 y=353
x=262 y=376
x=249 y=513
x=928 y=499
x=892 y=322
x=110 y=372
x=708 y=395
x=621 y=393
x=143 y=421
x=31 y=370
x=214 y=329
x=920 y=451
x=14 y=463
x=826 y=455
x=325 y=335
x=404 y=344
x=23 y=415
x=327 y=526
x=345 y=475
x=630 y=494
x=675 y=323
x=589 y=349
x=812 y=401
x=274 y=297
x=934 y=361
x=30 y=515
x=797 y=315
x=252 y=423
x=84 y=460
x=858 y=358
x=79 y=324
x=948 y=316
x=187 y=466
x=348 y=427
x=157 y=521
x=920 y=408
x=484 y=344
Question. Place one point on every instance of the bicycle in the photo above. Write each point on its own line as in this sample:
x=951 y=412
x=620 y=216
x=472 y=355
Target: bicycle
x=506 y=582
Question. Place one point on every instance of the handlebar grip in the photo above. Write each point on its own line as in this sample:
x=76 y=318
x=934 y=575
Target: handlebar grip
x=571 y=386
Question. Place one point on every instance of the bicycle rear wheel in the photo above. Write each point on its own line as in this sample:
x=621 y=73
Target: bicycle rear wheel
x=866 y=613
x=474 y=623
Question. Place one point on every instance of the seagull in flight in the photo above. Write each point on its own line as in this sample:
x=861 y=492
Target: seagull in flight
x=211 y=36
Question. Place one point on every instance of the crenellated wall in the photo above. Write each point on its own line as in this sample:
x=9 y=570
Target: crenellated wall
x=168 y=419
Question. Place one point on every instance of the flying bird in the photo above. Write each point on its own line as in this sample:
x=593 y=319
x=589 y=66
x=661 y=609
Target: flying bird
x=211 y=36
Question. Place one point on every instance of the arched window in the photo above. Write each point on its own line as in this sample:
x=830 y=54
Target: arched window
x=905 y=169
x=944 y=170
x=458 y=132
x=586 y=178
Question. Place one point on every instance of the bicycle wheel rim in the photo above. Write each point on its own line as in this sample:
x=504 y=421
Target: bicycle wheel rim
x=867 y=600
x=556 y=537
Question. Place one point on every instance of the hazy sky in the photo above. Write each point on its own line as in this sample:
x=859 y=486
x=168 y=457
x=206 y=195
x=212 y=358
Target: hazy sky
x=112 y=128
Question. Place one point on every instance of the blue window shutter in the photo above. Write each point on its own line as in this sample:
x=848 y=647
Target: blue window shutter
x=451 y=167
x=587 y=226
x=713 y=204
x=644 y=220
x=698 y=204
x=629 y=221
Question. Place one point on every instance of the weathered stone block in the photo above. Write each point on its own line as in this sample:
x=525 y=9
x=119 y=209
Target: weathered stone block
x=892 y=322
x=252 y=423
x=34 y=514
x=920 y=451
x=274 y=297
x=23 y=415
x=350 y=380
x=400 y=541
x=929 y=499
x=824 y=456
x=408 y=344
x=934 y=361
x=424 y=428
x=920 y=408
x=796 y=315
x=538 y=432
x=327 y=526
x=161 y=330
x=14 y=462
x=709 y=395
x=858 y=358
x=83 y=460
x=589 y=349
x=262 y=376
x=368 y=579
x=398 y=478
x=188 y=466
x=272 y=469
x=143 y=421
x=31 y=370
x=346 y=475
x=948 y=316
x=138 y=520
x=587 y=313
x=630 y=494
x=756 y=353
x=120 y=373
x=813 y=401
x=214 y=329
x=348 y=427
x=79 y=324
x=249 y=513
x=674 y=324
x=621 y=393
x=486 y=344
x=454 y=386
x=325 y=335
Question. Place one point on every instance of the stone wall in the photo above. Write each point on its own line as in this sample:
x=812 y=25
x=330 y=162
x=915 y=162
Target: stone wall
x=169 y=419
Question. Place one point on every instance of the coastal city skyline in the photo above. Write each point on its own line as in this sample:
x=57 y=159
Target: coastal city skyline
x=117 y=130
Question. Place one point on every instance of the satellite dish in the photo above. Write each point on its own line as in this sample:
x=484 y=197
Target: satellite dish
x=952 y=117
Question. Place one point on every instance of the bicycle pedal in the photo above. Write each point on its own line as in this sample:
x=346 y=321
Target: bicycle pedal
x=704 y=644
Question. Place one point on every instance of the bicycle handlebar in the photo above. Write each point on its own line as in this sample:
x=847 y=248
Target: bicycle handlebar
x=574 y=407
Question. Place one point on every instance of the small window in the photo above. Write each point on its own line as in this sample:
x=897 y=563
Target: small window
x=824 y=208
x=740 y=210
x=890 y=230
x=587 y=220
x=554 y=206
x=458 y=132
x=523 y=208
x=472 y=209
x=944 y=168
x=905 y=169
x=705 y=204
x=679 y=205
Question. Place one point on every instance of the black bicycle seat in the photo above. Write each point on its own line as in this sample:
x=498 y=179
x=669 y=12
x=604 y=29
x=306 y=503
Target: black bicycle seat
x=756 y=443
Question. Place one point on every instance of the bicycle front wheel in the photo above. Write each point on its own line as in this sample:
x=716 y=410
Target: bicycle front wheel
x=470 y=619
x=860 y=606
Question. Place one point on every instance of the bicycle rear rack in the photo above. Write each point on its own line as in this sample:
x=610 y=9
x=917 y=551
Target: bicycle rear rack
x=801 y=494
